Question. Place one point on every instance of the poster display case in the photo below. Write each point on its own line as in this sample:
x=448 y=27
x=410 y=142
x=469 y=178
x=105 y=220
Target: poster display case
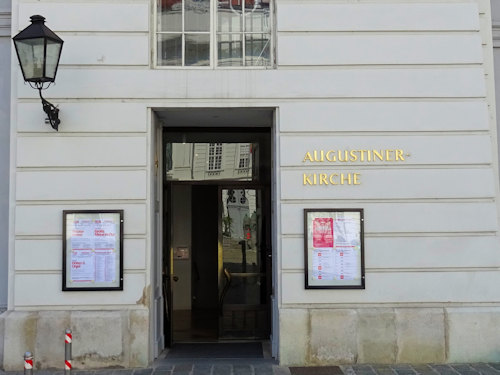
x=334 y=249
x=92 y=250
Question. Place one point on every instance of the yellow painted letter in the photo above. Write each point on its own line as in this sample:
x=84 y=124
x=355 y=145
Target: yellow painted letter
x=307 y=179
x=399 y=155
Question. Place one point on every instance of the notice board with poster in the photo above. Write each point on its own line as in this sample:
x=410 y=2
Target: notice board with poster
x=334 y=249
x=92 y=250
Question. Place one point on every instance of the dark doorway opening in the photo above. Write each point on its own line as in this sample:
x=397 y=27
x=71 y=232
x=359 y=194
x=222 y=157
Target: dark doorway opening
x=217 y=259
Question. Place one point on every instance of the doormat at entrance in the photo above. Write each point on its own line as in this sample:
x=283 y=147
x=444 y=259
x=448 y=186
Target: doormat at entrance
x=324 y=370
x=217 y=350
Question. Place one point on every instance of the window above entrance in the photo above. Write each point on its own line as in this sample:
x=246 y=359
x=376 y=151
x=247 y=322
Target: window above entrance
x=213 y=33
x=211 y=161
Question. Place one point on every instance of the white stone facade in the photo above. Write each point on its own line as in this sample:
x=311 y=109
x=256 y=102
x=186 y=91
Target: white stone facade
x=413 y=75
x=5 y=16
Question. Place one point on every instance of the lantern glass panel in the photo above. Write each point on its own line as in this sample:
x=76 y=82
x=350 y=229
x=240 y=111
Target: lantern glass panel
x=52 y=59
x=31 y=53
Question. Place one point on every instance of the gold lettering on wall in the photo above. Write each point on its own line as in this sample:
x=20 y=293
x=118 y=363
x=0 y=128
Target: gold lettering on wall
x=313 y=179
x=352 y=156
x=378 y=156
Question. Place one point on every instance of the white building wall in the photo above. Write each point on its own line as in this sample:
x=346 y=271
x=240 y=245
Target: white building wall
x=495 y=15
x=372 y=75
x=5 y=43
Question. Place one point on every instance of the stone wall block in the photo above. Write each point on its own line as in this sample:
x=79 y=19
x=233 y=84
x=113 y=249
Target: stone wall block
x=20 y=329
x=139 y=338
x=98 y=339
x=333 y=336
x=294 y=336
x=377 y=341
x=420 y=335
x=2 y=335
x=473 y=334
x=51 y=326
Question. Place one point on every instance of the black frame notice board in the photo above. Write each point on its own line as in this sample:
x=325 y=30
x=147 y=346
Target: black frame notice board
x=334 y=248
x=92 y=250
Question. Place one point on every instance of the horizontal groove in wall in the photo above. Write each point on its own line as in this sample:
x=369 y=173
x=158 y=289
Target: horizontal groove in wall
x=395 y=66
x=78 y=308
x=267 y=102
x=379 y=66
x=385 y=133
x=83 y=202
x=157 y=104
x=103 y=33
x=105 y=66
x=378 y=32
x=412 y=234
x=412 y=270
x=390 y=201
x=53 y=237
x=58 y=272
x=422 y=304
x=326 y=166
x=83 y=168
x=28 y=134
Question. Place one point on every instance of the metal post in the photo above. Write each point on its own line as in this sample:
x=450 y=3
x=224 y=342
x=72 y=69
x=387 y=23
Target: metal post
x=68 y=338
x=28 y=363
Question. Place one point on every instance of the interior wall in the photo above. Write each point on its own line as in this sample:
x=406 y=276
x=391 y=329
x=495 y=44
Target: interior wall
x=181 y=237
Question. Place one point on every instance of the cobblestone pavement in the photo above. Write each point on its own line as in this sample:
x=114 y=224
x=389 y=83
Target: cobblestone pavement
x=426 y=369
x=183 y=368
x=268 y=368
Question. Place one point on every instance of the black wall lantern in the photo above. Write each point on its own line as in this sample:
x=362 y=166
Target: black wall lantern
x=38 y=50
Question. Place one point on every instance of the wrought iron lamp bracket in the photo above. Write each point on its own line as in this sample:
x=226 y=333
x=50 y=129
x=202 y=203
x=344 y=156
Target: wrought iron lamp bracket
x=51 y=110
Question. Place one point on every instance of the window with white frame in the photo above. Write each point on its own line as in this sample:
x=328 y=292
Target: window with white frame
x=244 y=159
x=222 y=33
x=214 y=156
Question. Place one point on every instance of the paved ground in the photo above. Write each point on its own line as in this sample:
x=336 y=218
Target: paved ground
x=269 y=367
x=430 y=369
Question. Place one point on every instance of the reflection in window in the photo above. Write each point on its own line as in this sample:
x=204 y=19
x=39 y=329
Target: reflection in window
x=243 y=33
x=215 y=156
x=244 y=161
x=185 y=33
x=210 y=161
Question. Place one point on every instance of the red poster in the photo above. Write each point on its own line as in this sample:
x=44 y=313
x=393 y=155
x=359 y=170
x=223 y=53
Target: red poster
x=323 y=232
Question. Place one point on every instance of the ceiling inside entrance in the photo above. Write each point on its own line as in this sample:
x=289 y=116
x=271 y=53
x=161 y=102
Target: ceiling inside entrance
x=215 y=117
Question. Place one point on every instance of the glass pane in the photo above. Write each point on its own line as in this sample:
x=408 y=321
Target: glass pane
x=197 y=49
x=240 y=230
x=257 y=16
x=169 y=15
x=229 y=16
x=209 y=161
x=31 y=56
x=257 y=49
x=243 y=294
x=229 y=50
x=53 y=52
x=169 y=49
x=197 y=15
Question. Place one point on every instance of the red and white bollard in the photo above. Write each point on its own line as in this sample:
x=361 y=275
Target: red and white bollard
x=28 y=363
x=68 y=338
